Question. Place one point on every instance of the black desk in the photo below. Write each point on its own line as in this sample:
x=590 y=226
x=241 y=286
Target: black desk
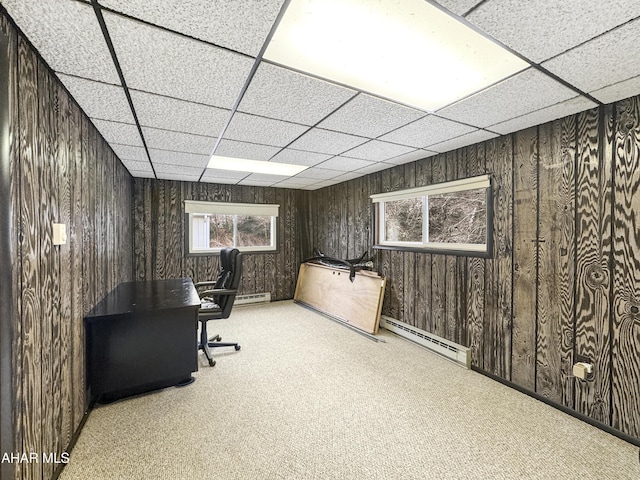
x=142 y=336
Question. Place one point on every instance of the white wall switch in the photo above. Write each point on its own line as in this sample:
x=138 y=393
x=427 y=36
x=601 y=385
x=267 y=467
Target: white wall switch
x=59 y=234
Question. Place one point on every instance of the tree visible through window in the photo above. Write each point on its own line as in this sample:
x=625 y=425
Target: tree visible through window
x=213 y=226
x=448 y=216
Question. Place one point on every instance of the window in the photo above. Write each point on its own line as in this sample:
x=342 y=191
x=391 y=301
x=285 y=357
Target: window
x=246 y=226
x=452 y=216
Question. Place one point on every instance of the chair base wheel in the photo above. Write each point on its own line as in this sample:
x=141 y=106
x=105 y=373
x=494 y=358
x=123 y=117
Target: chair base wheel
x=237 y=347
x=212 y=363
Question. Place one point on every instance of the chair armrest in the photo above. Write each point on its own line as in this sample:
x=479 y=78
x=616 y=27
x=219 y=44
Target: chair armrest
x=204 y=284
x=219 y=291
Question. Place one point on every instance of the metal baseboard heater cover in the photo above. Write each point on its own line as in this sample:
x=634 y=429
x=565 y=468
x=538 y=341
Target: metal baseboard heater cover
x=253 y=298
x=453 y=351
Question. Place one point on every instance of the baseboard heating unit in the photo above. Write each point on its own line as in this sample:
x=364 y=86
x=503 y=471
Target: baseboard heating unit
x=254 y=298
x=453 y=351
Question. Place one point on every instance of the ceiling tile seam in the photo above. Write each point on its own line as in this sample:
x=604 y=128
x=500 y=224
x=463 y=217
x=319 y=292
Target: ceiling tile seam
x=147 y=92
x=315 y=125
x=50 y=69
x=247 y=82
x=475 y=7
x=344 y=85
x=570 y=86
x=105 y=33
x=173 y=32
x=589 y=40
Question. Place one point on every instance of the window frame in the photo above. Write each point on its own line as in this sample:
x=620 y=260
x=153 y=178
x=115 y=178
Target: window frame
x=462 y=249
x=194 y=207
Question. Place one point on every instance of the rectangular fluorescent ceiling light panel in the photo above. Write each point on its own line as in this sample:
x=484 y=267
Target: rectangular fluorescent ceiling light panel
x=410 y=52
x=254 y=166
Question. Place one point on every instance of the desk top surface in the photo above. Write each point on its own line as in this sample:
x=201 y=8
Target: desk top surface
x=129 y=297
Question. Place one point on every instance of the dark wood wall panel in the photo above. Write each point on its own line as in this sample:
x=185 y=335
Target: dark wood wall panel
x=625 y=374
x=556 y=250
x=593 y=257
x=63 y=172
x=525 y=248
x=499 y=277
x=562 y=279
x=159 y=240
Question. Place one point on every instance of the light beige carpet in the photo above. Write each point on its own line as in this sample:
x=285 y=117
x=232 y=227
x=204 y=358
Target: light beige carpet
x=307 y=398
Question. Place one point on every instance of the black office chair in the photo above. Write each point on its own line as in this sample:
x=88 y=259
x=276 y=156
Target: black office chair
x=216 y=303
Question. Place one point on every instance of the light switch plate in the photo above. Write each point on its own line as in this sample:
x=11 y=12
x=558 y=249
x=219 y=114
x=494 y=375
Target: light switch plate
x=59 y=234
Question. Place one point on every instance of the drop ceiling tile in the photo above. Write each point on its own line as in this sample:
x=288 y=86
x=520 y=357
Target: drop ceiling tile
x=296 y=182
x=603 y=61
x=318 y=173
x=377 y=151
x=142 y=174
x=249 y=151
x=326 y=183
x=99 y=100
x=276 y=92
x=165 y=169
x=426 y=131
x=176 y=66
x=179 y=158
x=540 y=33
x=266 y=131
x=523 y=93
x=348 y=176
x=345 y=164
x=255 y=183
x=177 y=141
x=370 y=117
x=121 y=133
x=132 y=165
x=263 y=177
x=376 y=167
x=128 y=152
x=178 y=115
x=462 y=141
x=563 y=109
x=67 y=35
x=325 y=141
x=459 y=7
x=299 y=157
x=216 y=175
x=241 y=26
x=410 y=157
x=179 y=177
x=618 y=91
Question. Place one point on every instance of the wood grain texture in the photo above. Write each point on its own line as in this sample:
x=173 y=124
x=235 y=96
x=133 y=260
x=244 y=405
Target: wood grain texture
x=158 y=244
x=498 y=290
x=593 y=256
x=423 y=262
x=49 y=259
x=451 y=296
x=330 y=291
x=556 y=276
x=75 y=237
x=625 y=374
x=55 y=181
x=439 y=265
x=31 y=395
x=475 y=274
x=15 y=326
x=525 y=253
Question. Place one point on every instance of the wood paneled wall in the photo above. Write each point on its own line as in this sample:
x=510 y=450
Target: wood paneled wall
x=159 y=240
x=62 y=171
x=564 y=276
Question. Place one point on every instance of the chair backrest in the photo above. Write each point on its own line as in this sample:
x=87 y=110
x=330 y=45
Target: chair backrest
x=229 y=277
